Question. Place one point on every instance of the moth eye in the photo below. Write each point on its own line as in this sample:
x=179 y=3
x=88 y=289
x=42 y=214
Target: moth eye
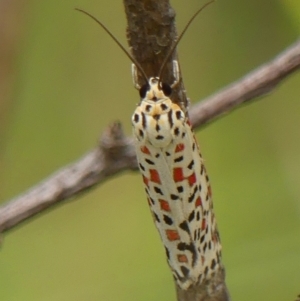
x=143 y=90
x=166 y=89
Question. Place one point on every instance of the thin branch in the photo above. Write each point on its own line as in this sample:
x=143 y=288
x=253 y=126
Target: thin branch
x=152 y=37
x=255 y=84
x=115 y=152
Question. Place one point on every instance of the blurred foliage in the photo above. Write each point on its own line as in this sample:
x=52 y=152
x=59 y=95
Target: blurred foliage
x=73 y=81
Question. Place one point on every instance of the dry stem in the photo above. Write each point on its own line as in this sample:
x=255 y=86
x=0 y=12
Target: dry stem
x=115 y=152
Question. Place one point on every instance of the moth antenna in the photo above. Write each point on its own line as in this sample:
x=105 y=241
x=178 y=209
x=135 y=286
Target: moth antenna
x=139 y=67
x=163 y=66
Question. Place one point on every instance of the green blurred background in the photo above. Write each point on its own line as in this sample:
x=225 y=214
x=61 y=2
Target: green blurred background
x=72 y=81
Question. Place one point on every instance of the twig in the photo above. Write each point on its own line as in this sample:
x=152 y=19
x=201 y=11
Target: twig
x=115 y=153
x=255 y=84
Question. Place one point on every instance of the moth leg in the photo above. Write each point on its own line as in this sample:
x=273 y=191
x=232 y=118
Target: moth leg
x=134 y=74
x=176 y=74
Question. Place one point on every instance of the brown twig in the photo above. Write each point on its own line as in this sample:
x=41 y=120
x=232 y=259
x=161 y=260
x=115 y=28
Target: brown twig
x=94 y=168
x=255 y=84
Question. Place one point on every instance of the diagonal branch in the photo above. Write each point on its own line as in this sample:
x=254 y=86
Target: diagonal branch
x=255 y=84
x=115 y=152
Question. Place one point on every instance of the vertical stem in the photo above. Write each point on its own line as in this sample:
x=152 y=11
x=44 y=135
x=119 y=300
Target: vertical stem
x=151 y=33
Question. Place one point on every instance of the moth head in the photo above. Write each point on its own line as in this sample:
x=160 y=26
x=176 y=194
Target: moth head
x=155 y=90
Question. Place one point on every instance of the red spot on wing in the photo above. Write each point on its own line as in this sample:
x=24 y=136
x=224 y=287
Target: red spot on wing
x=182 y=258
x=172 y=235
x=145 y=180
x=192 y=179
x=203 y=226
x=198 y=202
x=164 y=205
x=178 y=174
x=154 y=176
x=189 y=123
x=179 y=147
x=145 y=150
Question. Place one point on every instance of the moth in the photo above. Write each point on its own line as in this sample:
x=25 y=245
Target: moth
x=174 y=176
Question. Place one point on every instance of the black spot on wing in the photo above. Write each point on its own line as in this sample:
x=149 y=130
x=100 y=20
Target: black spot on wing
x=185 y=271
x=181 y=246
x=178 y=114
x=191 y=216
x=179 y=159
x=184 y=226
x=176 y=131
x=191 y=164
x=213 y=264
x=136 y=118
x=168 y=220
x=156 y=217
x=149 y=161
x=180 y=189
x=158 y=190
x=192 y=196
x=202 y=238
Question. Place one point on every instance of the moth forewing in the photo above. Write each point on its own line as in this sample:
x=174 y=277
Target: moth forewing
x=176 y=185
